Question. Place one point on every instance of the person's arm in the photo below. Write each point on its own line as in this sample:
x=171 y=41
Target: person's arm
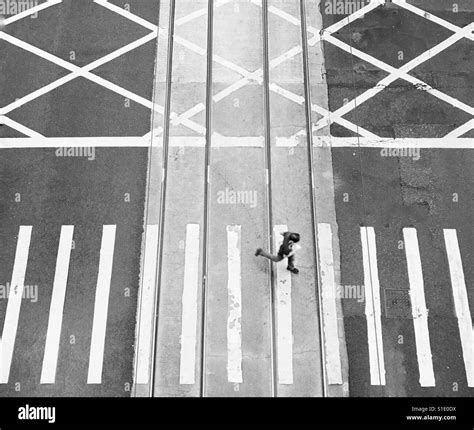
x=293 y=249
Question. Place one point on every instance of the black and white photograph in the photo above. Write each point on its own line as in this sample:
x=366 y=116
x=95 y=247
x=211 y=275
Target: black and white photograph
x=225 y=199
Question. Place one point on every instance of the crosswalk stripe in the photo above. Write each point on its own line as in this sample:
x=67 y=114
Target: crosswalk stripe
x=189 y=312
x=7 y=342
x=234 y=330
x=50 y=359
x=372 y=306
x=146 y=307
x=101 y=305
x=328 y=296
x=419 y=311
x=234 y=289
x=284 y=316
x=461 y=303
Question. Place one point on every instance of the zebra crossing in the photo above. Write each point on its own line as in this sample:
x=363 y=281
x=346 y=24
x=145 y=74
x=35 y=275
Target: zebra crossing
x=236 y=343
x=284 y=330
x=57 y=307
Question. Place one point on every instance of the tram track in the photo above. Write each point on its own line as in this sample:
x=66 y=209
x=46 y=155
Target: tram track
x=164 y=182
x=206 y=239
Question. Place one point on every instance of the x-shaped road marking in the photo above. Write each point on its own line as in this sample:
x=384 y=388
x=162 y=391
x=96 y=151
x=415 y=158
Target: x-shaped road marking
x=247 y=76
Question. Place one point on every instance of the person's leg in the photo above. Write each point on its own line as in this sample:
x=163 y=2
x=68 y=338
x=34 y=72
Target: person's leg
x=291 y=264
x=291 y=261
x=275 y=258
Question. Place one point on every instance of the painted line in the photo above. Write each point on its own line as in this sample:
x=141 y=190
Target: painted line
x=394 y=74
x=286 y=16
x=126 y=14
x=146 y=301
x=287 y=94
x=73 y=142
x=187 y=365
x=427 y=143
x=372 y=306
x=284 y=316
x=31 y=11
x=219 y=141
x=99 y=325
x=85 y=73
x=461 y=130
x=430 y=17
x=248 y=76
x=419 y=311
x=461 y=302
x=288 y=55
x=7 y=342
x=201 y=12
x=56 y=310
x=229 y=90
x=192 y=16
x=328 y=297
x=234 y=290
x=76 y=70
x=20 y=127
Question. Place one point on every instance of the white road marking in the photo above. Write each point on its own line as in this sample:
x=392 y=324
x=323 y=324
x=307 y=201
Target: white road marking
x=394 y=74
x=99 y=325
x=76 y=72
x=419 y=311
x=287 y=94
x=234 y=319
x=219 y=141
x=286 y=16
x=189 y=316
x=146 y=307
x=56 y=310
x=31 y=11
x=85 y=72
x=73 y=142
x=328 y=117
x=461 y=129
x=19 y=127
x=372 y=306
x=7 y=342
x=283 y=316
x=328 y=297
x=91 y=66
x=282 y=14
x=198 y=13
x=461 y=302
x=126 y=14
x=429 y=16
x=427 y=143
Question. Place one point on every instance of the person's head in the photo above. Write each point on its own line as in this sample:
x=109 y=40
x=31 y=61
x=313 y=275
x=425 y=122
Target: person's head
x=294 y=237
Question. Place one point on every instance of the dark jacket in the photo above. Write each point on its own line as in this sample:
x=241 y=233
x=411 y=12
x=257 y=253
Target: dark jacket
x=287 y=245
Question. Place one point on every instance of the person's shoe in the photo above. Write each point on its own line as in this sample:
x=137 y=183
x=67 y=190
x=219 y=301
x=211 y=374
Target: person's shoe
x=258 y=252
x=293 y=270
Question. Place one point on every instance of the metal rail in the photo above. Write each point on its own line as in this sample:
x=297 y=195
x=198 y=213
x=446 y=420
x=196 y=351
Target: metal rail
x=164 y=181
x=207 y=172
x=269 y=195
x=309 y=141
x=147 y=195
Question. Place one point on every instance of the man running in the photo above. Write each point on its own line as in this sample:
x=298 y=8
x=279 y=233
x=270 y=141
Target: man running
x=287 y=250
